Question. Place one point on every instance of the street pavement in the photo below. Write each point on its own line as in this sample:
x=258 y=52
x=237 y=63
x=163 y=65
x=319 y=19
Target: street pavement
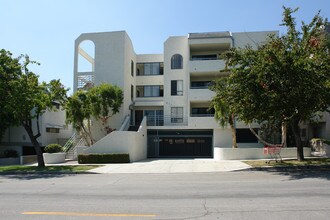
x=173 y=166
x=216 y=195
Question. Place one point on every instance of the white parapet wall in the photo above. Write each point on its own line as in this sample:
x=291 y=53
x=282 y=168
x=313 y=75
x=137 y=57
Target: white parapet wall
x=54 y=158
x=253 y=153
x=129 y=142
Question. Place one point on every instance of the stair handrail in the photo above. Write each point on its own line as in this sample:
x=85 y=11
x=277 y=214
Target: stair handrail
x=125 y=123
x=70 y=142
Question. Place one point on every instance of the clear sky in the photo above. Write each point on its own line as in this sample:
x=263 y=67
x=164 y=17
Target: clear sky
x=46 y=30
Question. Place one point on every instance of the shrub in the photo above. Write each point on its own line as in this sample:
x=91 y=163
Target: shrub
x=10 y=153
x=103 y=158
x=54 y=148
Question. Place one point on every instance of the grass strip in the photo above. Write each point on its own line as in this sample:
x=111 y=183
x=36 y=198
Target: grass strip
x=289 y=163
x=22 y=168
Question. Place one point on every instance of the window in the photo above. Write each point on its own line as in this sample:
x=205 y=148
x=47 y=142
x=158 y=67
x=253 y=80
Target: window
x=177 y=115
x=177 y=87
x=244 y=135
x=149 y=69
x=132 y=67
x=303 y=134
x=53 y=130
x=149 y=91
x=154 y=117
x=176 y=61
x=132 y=92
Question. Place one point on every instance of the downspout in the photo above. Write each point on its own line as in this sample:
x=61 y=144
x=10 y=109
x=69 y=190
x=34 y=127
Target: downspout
x=232 y=40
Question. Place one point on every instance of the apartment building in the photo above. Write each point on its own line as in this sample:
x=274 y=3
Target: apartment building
x=52 y=128
x=167 y=93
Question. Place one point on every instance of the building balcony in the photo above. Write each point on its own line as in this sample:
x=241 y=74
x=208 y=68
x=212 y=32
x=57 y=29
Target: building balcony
x=202 y=122
x=166 y=120
x=240 y=124
x=149 y=101
x=206 y=66
x=200 y=94
x=149 y=80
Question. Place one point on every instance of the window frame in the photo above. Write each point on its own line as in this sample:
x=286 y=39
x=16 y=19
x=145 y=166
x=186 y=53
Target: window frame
x=176 y=116
x=151 y=90
x=132 y=68
x=176 y=62
x=175 y=88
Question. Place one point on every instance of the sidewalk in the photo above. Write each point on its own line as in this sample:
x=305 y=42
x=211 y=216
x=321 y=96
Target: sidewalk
x=173 y=166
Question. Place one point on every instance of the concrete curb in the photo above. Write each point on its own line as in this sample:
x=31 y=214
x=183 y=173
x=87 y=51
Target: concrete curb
x=291 y=168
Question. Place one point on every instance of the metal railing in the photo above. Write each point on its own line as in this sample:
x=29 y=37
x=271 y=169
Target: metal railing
x=202 y=115
x=70 y=147
x=125 y=123
x=166 y=120
x=70 y=142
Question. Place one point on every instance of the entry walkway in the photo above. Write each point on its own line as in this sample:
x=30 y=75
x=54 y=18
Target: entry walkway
x=173 y=166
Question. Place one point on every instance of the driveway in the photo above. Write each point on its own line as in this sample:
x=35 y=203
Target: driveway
x=173 y=166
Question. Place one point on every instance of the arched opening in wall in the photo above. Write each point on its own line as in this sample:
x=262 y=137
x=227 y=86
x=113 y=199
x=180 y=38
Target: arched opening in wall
x=86 y=56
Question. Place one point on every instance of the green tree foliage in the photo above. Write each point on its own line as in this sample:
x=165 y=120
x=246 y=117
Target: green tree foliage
x=26 y=98
x=10 y=69
x=106 y=101
x=286 y=79
x=100 y=102
x=78 y=113
x=223 y=113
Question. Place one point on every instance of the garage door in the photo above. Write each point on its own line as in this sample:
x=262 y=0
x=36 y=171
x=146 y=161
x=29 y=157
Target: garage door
x=184 y=144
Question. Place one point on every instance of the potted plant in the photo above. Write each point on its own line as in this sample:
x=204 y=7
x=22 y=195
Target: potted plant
x=321 y=145
x=54 y=153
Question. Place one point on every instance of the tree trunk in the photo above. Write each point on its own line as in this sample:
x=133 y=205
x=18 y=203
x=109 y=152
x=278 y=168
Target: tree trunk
x=90 y=132
x=296 y=133
x=233 y=136
x=284 y=134
x=36 y=145
x=259 y=138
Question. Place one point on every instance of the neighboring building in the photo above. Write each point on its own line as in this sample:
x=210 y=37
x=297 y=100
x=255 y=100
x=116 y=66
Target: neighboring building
x=52 y=128
x=169 y=89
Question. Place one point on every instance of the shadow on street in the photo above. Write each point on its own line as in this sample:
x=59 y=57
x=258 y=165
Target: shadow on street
x=301 y=173
x=37 y=176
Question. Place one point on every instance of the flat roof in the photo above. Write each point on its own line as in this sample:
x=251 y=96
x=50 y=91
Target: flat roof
x=209 y=35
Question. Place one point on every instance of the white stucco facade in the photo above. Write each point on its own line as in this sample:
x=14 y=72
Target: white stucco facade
x=169 y=89
x=52 y=129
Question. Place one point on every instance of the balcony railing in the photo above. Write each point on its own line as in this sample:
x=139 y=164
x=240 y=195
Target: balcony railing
x=202 y=115
x=204 y=66
x=167 y=120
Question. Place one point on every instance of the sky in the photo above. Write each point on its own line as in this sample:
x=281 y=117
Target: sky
x=46 y=29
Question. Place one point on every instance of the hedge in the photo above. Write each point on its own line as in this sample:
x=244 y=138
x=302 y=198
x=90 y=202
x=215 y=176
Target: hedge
x=54 y=148
x=103 y=158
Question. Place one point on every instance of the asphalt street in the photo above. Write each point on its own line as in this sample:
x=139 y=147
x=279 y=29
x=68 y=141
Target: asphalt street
x=221 y=195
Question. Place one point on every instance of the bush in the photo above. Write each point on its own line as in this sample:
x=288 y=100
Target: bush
x=103 y=158
x=10 y=153
x=54 y=148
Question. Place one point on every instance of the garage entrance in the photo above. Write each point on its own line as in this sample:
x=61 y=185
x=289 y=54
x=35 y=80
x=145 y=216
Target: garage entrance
x=180 y=143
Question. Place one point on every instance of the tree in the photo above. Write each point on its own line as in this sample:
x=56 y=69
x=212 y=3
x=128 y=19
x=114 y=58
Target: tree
x=100 y=102
x=106 y=100
x=223 y=114
x=27 y=98
x=78 y=113
x=10 y=69
x=286 y=79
